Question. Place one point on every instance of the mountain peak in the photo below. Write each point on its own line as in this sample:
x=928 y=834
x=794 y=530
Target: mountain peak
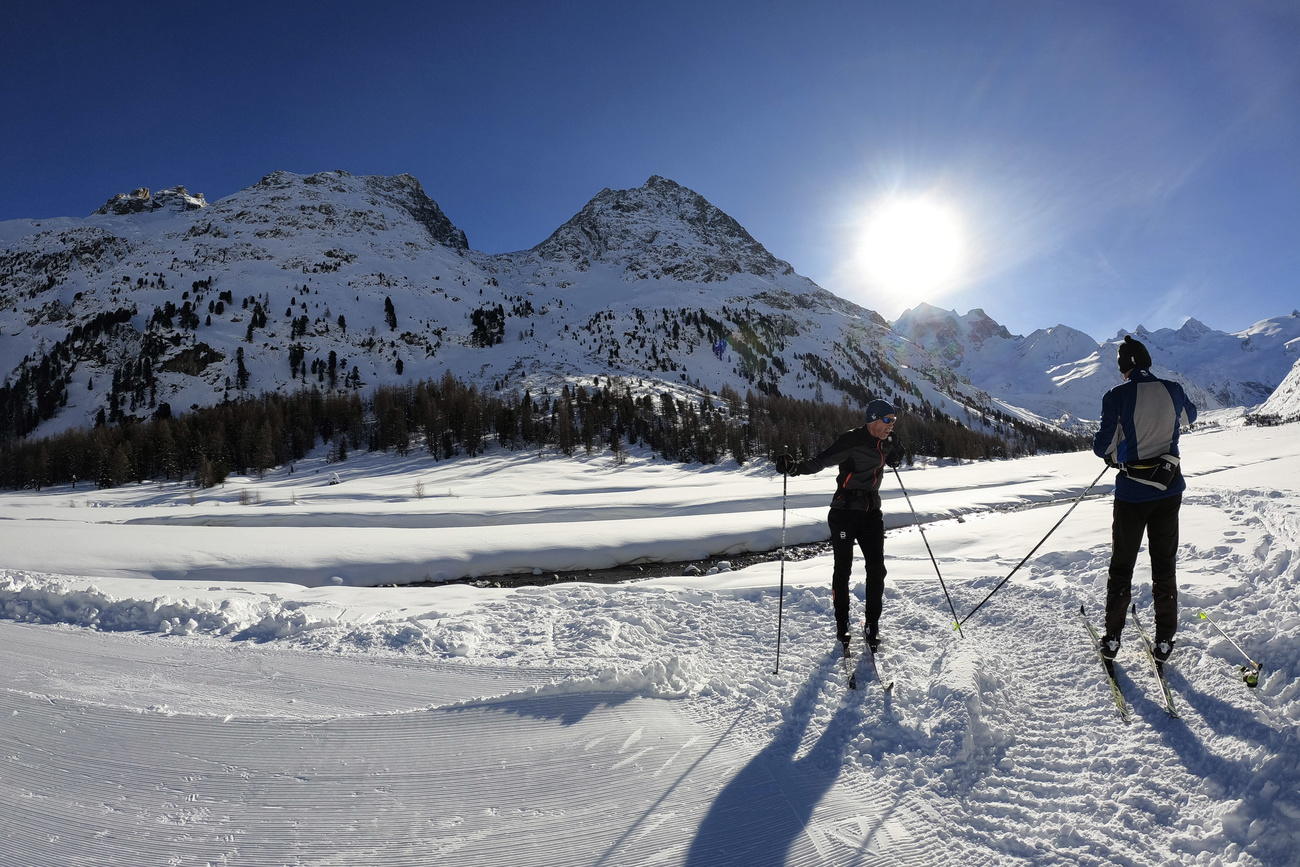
x=1193 y=328
x=140 y=201
x=405 y=190
x=659 y=230
x=923 y=320
x=284 y=204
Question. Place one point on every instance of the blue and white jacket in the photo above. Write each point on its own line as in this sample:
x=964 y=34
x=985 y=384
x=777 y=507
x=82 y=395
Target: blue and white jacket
x=1140 y=420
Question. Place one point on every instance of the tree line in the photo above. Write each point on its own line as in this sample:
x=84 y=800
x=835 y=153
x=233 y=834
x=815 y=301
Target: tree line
x=450 y=417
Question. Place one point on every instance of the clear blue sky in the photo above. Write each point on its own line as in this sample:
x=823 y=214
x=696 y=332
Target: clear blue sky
x=1113 y=163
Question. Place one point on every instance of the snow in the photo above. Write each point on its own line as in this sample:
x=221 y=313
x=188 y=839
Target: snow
x=192 y=680
x=1284 y=402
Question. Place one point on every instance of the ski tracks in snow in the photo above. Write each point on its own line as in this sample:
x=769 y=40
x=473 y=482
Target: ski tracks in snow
x=643 y=724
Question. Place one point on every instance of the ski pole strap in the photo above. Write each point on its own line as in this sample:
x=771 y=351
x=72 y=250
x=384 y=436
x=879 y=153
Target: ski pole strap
x=1076 y=502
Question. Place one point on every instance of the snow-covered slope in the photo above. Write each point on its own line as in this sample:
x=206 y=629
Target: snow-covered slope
x=1284 y=403
x=228 y=718
x=660 y=230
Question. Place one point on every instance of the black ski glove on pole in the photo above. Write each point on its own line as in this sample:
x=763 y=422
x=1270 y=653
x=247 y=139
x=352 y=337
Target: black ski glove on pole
x=893 y=452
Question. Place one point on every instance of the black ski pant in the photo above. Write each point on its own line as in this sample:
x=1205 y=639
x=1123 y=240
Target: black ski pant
x=1158 y=519
x=865 y=529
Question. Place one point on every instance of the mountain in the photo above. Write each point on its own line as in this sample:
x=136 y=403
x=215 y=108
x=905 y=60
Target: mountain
x=1284 y=403
x=1054 y=374
x=161 y=302
x=1237 y=369
x=661 y=230
x=1060 y=373
x=347 y=282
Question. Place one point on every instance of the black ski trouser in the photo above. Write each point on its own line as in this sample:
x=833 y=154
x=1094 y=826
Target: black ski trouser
x=1158 y=519
x=865 y=529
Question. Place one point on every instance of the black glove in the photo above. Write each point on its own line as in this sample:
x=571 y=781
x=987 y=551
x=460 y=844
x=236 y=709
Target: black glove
x=784 y=464
x=1110 y=462
x=894 y=453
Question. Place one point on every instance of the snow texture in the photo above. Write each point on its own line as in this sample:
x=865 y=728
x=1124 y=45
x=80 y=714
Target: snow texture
x=195 y=681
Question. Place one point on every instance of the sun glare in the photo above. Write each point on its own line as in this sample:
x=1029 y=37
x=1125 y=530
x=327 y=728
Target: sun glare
x=913 y=247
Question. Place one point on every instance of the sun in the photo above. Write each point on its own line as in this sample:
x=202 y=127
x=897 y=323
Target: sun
x=913 y=247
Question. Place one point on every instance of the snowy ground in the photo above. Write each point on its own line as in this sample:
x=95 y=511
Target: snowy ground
x=193 y=681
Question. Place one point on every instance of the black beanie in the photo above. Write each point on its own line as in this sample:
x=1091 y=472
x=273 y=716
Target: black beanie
x=1133 y=355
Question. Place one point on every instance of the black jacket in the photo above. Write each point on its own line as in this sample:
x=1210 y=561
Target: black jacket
x=862 y=460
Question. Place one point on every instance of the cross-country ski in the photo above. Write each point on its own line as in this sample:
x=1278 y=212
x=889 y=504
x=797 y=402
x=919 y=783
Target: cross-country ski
x=1157 y=666
x=1108 y=666
x=878 y=667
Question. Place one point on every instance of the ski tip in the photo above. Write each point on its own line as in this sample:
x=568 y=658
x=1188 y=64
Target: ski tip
x=1204 y=616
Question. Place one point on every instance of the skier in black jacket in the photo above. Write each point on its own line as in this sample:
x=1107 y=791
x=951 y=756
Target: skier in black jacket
x=855 y=516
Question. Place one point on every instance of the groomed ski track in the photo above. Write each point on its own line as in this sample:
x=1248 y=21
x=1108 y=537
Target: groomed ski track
x=339 y=760
x=343 y=766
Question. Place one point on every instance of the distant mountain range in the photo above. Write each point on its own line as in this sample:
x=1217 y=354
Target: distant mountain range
x=1060 y=373
x=346 y=282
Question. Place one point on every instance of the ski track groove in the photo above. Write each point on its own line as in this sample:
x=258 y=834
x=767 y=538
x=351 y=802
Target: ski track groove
x=290 y=795
x=1109 y=796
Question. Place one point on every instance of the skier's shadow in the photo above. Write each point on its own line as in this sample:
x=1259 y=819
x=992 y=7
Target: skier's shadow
x=1250 y=788
x=757 y=817
x=1226 y=718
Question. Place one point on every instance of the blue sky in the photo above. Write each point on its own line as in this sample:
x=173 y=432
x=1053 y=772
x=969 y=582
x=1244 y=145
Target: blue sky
x=1111 y=163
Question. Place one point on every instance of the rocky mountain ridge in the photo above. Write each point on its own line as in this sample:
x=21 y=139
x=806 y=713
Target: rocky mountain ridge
x=140 y=201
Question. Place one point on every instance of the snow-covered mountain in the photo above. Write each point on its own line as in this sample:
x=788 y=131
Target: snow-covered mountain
x=1284 y=403
x=351 y=281
x=347 y=282
x=661 y=230
x=1060 y=373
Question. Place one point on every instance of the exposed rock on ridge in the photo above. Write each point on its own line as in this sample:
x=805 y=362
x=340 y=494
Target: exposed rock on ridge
x=660 y=230
x=139 y=201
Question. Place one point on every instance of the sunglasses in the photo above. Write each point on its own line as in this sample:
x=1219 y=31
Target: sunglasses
x=889 y=419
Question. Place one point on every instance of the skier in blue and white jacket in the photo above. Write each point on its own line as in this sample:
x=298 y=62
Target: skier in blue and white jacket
x=1140 y=422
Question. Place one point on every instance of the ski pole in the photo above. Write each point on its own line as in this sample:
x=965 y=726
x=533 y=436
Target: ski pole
x=780 y=605
x=1076 y=502
x=1251 y=677
x=917 y=521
